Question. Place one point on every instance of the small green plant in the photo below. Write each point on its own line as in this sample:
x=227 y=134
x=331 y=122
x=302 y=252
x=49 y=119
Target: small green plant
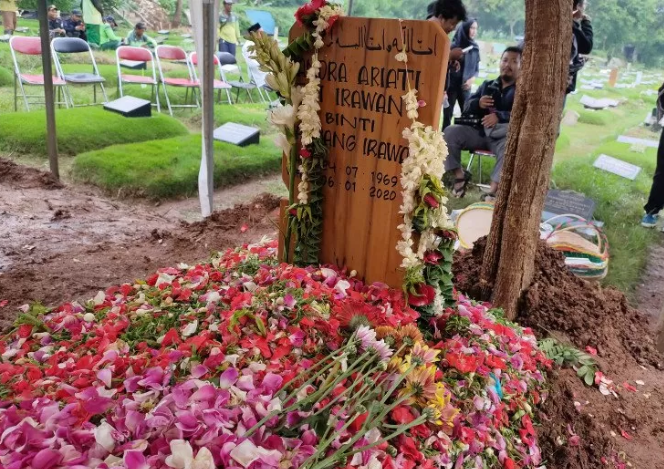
x=567 y=356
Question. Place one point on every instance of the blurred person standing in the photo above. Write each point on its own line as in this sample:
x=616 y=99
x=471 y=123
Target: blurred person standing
x=9 y=9
x=461 y=79
x=656 y=199
x=229 y=29
x=93 y=14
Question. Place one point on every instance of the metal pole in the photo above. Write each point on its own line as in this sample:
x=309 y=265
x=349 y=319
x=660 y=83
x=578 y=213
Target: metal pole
x=207 y=87
x=49 y=102
x=350 y=8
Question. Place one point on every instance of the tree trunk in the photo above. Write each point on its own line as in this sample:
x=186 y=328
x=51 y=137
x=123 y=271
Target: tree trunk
x=177 y=17
x=509 y=259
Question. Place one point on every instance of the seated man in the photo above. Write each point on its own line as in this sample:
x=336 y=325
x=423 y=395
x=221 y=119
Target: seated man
x=55 y=27
x=138 y=38
x=74 y=26
x=108 y=39
x=493 y=104
x=256 y=74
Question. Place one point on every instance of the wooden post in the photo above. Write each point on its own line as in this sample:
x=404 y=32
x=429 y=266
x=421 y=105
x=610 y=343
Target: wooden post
x=509 y=259
x=49 y=101
x=207 y=95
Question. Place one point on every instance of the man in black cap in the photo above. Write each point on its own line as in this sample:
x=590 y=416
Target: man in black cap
x=55 y=27
x=74 y=26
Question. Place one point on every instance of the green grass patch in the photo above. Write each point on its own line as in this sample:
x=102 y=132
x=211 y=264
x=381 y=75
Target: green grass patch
x=619 y=205
x=168 y=168
x=594 y=118
x=253 y=115
x=81 y=130
x=6 y=77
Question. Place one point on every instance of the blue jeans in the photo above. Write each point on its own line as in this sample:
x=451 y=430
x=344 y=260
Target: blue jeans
x=227 y=47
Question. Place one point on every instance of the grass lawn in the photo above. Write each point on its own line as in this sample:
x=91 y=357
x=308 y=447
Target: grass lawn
x=619 y=204
x=161 y=169
x=81 y=130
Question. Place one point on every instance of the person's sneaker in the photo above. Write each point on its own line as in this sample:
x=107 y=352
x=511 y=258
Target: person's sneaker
x=649 y=220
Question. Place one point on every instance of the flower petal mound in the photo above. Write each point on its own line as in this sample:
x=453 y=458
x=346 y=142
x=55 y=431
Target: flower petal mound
x=243 y=362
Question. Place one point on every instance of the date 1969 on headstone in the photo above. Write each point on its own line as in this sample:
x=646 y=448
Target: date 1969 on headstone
x=363 y=116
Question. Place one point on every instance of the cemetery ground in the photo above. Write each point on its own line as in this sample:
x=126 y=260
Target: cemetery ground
x=127 y=206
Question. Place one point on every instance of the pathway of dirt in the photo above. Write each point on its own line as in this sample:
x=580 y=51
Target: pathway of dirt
x=61 y=243
x=649 y=296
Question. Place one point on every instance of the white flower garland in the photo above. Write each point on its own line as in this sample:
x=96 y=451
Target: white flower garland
x=427 y=154
x=307 y=112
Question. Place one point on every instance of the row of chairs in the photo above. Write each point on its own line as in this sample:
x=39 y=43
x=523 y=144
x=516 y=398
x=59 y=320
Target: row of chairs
x=145 y=59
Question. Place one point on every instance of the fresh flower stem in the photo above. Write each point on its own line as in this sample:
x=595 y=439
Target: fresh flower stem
x=292 y=163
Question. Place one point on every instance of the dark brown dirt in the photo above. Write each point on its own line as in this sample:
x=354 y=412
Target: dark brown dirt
x=62 y=243
x=582 y=313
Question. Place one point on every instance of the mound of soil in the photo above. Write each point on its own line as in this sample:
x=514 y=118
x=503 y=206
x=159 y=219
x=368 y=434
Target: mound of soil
x=613 y=430
x=25 y=177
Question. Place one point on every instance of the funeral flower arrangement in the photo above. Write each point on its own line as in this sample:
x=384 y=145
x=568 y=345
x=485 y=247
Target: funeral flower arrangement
x=244 y=362
x=427 y=234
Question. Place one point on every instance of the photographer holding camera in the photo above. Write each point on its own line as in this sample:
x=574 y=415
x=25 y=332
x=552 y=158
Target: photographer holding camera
x=484 y=123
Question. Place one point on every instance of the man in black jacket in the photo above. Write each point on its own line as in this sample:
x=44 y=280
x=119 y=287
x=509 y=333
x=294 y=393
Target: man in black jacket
x=582 y=41
x=74 y=25
x=492 y=103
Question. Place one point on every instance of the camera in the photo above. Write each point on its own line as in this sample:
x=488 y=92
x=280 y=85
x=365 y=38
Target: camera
x=493 y=90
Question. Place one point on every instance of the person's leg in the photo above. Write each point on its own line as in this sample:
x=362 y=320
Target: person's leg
x=8 y=22
x=448 y=112
x=223 y=46
x=497 y=148
x=459 y=138
x=656 y=198
x=110 y=45
x=463 y=98
x=232 y=48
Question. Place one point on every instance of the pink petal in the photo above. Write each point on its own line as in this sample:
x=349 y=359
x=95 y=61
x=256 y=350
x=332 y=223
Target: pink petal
x=199 y=371
x=46 y=459
x=135 y=460
x=105 y=376
x=228 y=378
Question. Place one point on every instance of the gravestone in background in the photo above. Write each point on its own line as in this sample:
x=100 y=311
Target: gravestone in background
x=559 y=202
x=616 y=166
x=363 y=116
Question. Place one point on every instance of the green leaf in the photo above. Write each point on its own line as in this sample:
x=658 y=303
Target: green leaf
x=590 y=377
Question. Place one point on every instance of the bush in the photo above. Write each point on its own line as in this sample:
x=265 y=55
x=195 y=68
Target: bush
x=594 y=118
x=81 y=130
x=6 y=77
x=169 y=168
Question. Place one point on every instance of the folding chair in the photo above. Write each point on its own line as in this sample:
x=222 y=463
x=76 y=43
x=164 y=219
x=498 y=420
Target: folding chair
x=74 y=45
x=219 y=85
x=175 y=54
x=30 y=46
x=238 y=85
x=137 y=54
x=256 y=76
x=479 y=154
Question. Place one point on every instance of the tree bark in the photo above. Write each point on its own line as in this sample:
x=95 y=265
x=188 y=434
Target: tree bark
x=177 y=16
x=509 y=259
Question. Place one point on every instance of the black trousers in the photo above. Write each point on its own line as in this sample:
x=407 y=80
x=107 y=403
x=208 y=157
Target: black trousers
x=454 y=94
x=656 y=199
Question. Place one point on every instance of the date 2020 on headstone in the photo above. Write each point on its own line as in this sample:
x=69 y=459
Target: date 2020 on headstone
x=363 y=116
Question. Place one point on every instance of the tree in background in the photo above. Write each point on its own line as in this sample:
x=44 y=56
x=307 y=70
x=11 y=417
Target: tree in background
x=509 y=258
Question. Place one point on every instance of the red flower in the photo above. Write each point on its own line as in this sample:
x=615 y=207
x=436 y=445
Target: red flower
x=423 y=296
x=509 y=463
x=495 y=362
x=408 y=448
x=358 y=422
x=305 y=11
x=304 y=153
x=355 y=313
x=431 y=201
x=432 y=257
x=464 y=363
x=332 y=20
x=402 y=414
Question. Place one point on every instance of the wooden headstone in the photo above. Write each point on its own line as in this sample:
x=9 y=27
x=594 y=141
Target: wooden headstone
x=363 y=116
